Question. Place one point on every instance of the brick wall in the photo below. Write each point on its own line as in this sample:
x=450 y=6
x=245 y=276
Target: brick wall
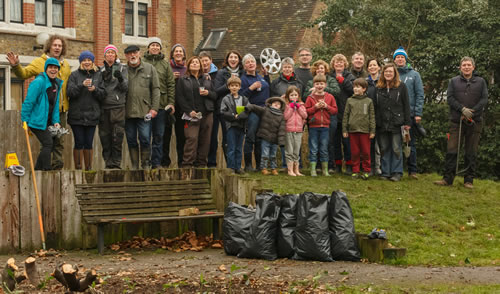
x=101 y=29
x=29 y=12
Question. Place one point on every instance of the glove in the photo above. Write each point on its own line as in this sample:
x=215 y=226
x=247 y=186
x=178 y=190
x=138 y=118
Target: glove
x=467 y=112
x=292 y=105
x=118 y=75
x=106 y=75
x=340 y=79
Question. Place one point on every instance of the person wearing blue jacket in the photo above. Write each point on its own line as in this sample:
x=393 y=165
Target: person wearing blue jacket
x=40 y=109
x=411 y=78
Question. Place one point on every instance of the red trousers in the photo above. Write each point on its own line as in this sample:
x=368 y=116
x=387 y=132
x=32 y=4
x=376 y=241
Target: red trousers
x=360 y=149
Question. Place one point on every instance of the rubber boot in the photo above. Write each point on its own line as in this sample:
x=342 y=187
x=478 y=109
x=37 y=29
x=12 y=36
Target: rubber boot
x=146 y=158
x=77 y=157
x=248 y=163
x=134 y=157
x=324 y=167
x=296 y=169
x=290 y=165
x=313 y=169
x=348 y=169
x=87 y=156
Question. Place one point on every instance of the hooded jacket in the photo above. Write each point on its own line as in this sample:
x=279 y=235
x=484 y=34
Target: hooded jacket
x=116 y=92
x=320 y=117
x=359 y=115
x=345 y=92
x=143 y=90
x=272 y=126
x=392 y=109
x=294 y=118
x=165 y=77
x=411 y=78
x=35 y=108
x=281 y=84
x=472 y=94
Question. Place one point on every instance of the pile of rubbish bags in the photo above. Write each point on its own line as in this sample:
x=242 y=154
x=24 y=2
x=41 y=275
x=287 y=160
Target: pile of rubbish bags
x=308 y=226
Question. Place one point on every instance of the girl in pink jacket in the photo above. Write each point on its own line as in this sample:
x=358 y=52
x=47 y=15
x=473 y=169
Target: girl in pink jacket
x=295 y=115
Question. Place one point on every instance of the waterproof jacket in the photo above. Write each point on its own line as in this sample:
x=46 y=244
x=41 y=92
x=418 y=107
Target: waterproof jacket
x=392 y=109
x=332 y=87
x=35 y=109
x=272 y=126
x=255 y=97
x=165 y=77
x=320 y=117
x=294 y=118
x=116 y=92
x=359 y=115
x=281 y=84
x=188 y=94
x=84 y=105
x=220 y=83
x=371 y=91
x=228 y=111
x=413 y=83
x=472 y=94
x=345 y=92
x=37 y=66
x=359 y=74
x=143 y=90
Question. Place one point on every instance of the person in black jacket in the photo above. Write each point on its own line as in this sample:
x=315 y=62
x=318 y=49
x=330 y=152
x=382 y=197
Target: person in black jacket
x=196 y=100
x=467 y=97
x=85 y=92
x=392 y=112
x=373 y=67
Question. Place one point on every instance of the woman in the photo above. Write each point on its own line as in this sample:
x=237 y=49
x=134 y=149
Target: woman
x=373 y=68
x=196 y=100
x=256 y=88
x=392 y=111
x=320 y=67
x=41 y=109
x=85 y=92
x=344 y=78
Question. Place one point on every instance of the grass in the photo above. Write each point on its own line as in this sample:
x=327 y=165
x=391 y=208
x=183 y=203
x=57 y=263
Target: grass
x=420 y=289
x=450 y=226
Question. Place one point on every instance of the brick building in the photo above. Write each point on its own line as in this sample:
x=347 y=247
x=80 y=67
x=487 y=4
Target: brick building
x=87 y=25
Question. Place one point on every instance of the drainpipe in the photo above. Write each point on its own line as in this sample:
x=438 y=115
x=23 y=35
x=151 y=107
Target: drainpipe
x=110 y=22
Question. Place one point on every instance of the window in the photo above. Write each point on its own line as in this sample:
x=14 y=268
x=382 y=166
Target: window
x=41 y=12
x=58 y=13
x=49 y=13
x=213 y=40
x=129 y=18
x=143 y=20
x=2 y=12
x=11 y=90
x=11 y=11
x=2 y=88
x=136 y=18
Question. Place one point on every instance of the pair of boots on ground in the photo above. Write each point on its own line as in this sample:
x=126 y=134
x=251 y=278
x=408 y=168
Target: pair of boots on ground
x=324 y=168
x=83 y=155
x=293 y=168
x=145 y=158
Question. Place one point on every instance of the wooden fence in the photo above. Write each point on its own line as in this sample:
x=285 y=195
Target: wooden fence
x=63 y=224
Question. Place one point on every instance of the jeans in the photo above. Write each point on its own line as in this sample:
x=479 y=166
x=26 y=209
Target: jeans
x=318 y=141
x=391 y=153
x=252 y=143
x=342 y=147
x=412 y=160
x=47 y=146
x=234 y=138
x=268 y=153
x=84 y=136
x=214 y=140
x=137 y=127
x=158 y=130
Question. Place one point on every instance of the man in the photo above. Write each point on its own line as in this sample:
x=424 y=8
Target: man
x=112 y=121
x=358 y=65
x=160 y=155
x=413 y=83
x=303 y=72
x=467 y=97
x=143 y=99
x=54 y=47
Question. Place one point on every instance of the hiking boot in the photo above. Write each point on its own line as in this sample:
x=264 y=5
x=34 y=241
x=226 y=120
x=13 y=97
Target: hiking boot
x=395 y=178
x=468 y=186
x=365 y=176
x=348 y=169
x=338 y=169
x=265 y=171
x=274 y=172
x=441 y=183
x=250 y=169
x=413 y=176
x=313 y=169
x=355 y=176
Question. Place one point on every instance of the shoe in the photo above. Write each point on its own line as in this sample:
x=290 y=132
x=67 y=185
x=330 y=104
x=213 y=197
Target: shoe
x=274 y=172
x=395 y=178
x=324 y=167
x=239 y=171
x=441 y=183
x=348 y=169
x=373 y=234
x=382 y=234
x=250 y=169
x=355 y=176
x=338 y=169
x=265 y=171
x=313 y=169
x=468 y=186
x=413 y=176
x=365 y=176
x=331 y=170
x=383 y=178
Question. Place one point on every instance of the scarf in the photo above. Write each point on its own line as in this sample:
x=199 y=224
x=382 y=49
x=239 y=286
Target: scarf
x=235 y=71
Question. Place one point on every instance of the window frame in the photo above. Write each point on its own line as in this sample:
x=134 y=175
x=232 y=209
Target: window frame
x=61 y=2
x=6 y=15
x=205 y=47
x=46 y=14
x=135 y=20
x=144 y=13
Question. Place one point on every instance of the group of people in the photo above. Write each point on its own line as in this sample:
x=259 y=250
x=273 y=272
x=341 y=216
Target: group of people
x=355 y=117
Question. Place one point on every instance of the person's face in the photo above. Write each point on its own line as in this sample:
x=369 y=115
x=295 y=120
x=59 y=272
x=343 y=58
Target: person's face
x=358 y=61
x=195 y=65
x=373 y=67
x=56 y=48
x=389 y=73
x=358 y=90
x=400 y=60
x=133 y=58
x=250 y=65
x=320 y=86
x=52 y=71
x=287 y=69
x=178 y=54
x=339 y=65
x=294 y=96
x=276 y=105
x=87 y=64
x=154 y=48
x=467 y=68
x=234 y=88
x=233 y=60
x=305 y=57
x=205 y=63
x=110 y=56
x=321 y=70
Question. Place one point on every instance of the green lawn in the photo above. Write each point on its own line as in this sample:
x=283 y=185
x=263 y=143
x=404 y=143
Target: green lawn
x=437 y=225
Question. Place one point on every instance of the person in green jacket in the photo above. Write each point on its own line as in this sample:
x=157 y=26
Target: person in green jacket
x=359 y=125
x=160 y=149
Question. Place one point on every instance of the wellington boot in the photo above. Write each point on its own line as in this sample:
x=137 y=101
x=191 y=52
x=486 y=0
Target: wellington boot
x=324 y=167
x=296 y=169
x=134 y=157
x=290 y=166
x=77 y=158
x=87 y=156
x=313 y=169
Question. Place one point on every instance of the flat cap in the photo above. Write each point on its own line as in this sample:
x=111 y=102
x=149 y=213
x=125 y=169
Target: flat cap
x=131 y=48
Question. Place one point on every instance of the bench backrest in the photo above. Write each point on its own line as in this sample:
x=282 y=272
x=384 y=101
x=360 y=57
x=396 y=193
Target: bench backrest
x=142 y=199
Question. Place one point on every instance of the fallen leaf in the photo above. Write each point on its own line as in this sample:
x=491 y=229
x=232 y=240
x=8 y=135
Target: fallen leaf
x=222 y=268
x=462 y=229
x=409 y=206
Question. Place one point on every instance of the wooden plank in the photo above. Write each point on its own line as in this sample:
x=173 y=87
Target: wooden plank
x=139 y=211
x=5 y=217
x=71 y=229
x=35 y=232
x=159 y=205
x=14 y=211
x=155 y=219
x=25 y=223
x=135 y=184
x=140 y=189
x=105 y=196
x=148 y=198
x=151 y=216
x=50 y=207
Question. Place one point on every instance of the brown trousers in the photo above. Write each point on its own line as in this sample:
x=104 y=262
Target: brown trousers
x=197 y=142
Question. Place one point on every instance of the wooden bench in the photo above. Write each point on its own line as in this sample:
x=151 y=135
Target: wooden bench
x=143 y=202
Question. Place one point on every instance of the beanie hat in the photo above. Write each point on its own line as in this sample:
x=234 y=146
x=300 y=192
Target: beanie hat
x=86 y=54
x=110 y=47
x=173 y=48
x=51 y=61
x=154 y=40
x=400 y=51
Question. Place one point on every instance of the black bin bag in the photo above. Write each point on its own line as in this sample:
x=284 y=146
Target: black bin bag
x=287 y=222
x=312 y=239
x=236 y=226
x=342 y=233
x=260 y=242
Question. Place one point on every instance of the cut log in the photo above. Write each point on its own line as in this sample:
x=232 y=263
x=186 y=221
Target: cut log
x=393 y=253
x=9 y=277
x=69 y=273
x=31 y=271
x=88 y=280
x=58 y=275
x=66 y=274
x=372 y=249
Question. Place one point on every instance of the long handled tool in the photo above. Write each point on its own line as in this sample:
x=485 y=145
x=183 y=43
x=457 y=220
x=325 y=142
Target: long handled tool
x=40 y=221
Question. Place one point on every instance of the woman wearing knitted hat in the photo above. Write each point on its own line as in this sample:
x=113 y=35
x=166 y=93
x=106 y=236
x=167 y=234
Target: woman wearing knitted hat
x=85 y=91
x=178 y=65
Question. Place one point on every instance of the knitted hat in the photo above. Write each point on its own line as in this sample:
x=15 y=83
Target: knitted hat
x=154 y=40
x=400 y=51
x=110 y=47
x=51 y=61
x=173 y=48
x=86 y=54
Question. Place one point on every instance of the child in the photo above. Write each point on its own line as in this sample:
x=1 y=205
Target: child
x=231 y=108
x=359 y=125
x=271 y=130
x=295 y=114
x=320 y=105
